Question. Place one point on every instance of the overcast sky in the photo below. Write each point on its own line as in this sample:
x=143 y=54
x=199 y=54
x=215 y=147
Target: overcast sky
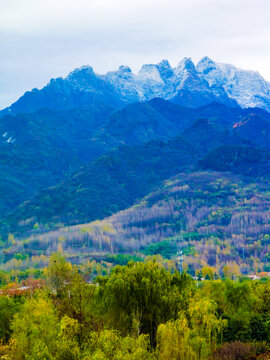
x=41 y=39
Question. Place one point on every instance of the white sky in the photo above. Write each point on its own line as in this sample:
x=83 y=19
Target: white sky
x=41 y=39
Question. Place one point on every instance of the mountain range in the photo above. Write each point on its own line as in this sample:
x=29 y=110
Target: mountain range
x=187 y=85
x=85 y=147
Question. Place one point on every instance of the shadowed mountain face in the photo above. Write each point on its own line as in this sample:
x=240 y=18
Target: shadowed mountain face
x=41 y=149
x=120 y=177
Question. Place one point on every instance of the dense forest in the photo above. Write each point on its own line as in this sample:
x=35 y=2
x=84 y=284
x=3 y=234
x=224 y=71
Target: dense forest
x=111 y=183
x=217 y=219
x=144 y=310
x=75 y=166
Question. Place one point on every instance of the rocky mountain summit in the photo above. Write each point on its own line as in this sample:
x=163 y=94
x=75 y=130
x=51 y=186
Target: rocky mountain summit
x=186 y=84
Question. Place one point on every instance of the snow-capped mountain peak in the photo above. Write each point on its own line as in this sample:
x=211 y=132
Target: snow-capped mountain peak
x=150 y=72
x=164 y=64
x=165 y=70
x=124 y=69
x=186 y=84
x=185 y=64
x=247 y=87
x=205 y=65
x=82 y=71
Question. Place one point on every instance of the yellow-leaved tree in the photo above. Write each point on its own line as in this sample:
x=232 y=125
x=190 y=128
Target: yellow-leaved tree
x=193 y=335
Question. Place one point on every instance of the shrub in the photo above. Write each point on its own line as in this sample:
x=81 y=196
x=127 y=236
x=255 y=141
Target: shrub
x=238 y=350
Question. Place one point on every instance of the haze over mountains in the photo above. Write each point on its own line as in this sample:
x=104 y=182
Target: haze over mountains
x=87 y=146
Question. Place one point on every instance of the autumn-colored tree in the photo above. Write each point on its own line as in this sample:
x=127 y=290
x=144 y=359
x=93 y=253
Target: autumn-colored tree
x=209 y=271
x=193 y=335
x=231 y=270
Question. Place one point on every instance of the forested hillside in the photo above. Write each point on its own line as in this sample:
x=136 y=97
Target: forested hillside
x=218 y=219
x=43 y=148
x=90 y=168
x=126 y=173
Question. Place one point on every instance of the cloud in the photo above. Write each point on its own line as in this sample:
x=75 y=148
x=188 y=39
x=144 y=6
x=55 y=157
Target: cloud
x=43 y=39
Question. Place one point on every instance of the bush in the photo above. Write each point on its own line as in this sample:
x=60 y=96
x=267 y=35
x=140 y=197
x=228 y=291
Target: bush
x=238 y=351
x=233 y=351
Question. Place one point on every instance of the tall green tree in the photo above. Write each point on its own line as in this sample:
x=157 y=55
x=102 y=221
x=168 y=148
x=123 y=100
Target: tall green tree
x=8 y=308
x=35 y=331
x=110 y=345
x=142 y=295
x=58 y=273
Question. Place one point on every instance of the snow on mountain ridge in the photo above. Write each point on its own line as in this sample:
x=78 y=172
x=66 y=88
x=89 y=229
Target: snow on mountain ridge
x=186 y=84
x=216 y=80
x=247 y=87
x=149 y=72
x=159 y=80
x=185 y=64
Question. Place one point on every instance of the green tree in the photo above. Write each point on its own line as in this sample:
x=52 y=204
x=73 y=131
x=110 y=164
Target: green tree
x=35 y=331
x=4 y=278
x=58 y=273
x=209 y=272
x=173 y=341
x=145 y=294
x=68 y=339
x=77 y=302
x=110 y=345
x=193 y=335
x=8 y=308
